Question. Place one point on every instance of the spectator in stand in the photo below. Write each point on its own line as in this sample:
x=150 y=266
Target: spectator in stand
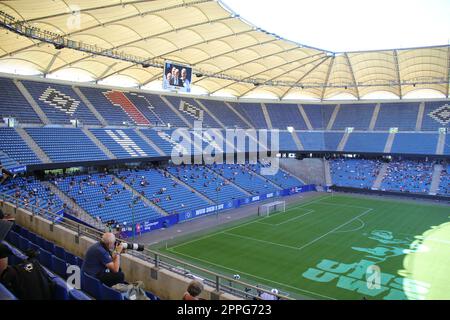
x=102 y=261
x=193 y=291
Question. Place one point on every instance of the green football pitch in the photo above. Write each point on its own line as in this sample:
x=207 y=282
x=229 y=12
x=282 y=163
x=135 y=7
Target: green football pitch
x=335 y=247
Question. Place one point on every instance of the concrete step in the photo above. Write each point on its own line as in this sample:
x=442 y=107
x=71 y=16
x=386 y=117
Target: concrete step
x=266 y=116
x=178 y=113
x=389 y=142
x=201 y=195
x=97 y=142
x=328 y=180
x=33 y=145
x=343 y=142
x=136 y=193
x=377 y=183
x=239 y=115
x=41 y=114
x=80 y=212
x=149 y=142
x=436 y=179
x=212 y=172
x=90 y=106
x=205 y=109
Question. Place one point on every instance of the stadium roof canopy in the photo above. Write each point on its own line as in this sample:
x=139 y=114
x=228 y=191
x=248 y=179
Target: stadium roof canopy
x=106 y=38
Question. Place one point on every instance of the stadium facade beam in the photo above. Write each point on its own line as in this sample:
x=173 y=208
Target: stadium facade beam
x=353 y=75
x=278 y=75
x=251 y=61
x=397 y=70
x=327 y=77
x=304 y=76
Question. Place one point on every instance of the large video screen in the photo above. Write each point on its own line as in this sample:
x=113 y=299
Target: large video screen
x=177 y=77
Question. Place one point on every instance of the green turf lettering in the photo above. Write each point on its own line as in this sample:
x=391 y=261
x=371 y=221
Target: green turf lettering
x=334 y=266
x=319 y=275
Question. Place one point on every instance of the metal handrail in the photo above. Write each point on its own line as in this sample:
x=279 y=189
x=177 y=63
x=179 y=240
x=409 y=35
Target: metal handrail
x=147 y=255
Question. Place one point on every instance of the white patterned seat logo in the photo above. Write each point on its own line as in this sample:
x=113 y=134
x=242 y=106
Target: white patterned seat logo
x=191 y=110
x=126 y=143
x=441 y=114
x=59 y=100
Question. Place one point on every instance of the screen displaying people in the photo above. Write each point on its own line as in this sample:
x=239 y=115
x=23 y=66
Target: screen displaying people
x=177 y=77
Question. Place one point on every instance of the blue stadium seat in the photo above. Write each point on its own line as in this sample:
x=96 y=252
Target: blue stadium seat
x=59 y=267
x=78 y=295
x=45 y=258
x=60 y=252
x=61 y=291
x=5 y=294
x=24 y=244
x=49 y=246
x=91 y=285
x=35 y=247
x=71 y=259
x=108 y=293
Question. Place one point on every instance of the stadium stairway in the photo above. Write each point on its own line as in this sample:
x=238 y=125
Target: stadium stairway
x=33 y=145
x=328 y=180
x=380 y=177
x=82 y=214
x=267 y=178
x=149 y=142
x=7 y=162
x=41 y=114
x=239 y=115
x=201 y=195
x=297 y=141
x=205 y=109
x=343 y=141
x=212 y=172
x=266 y=116
x=97 y=142
x=420 y=116
x=90 y=106
x=389 y=143
x=436 y=179
x=178 y=113
x=157 y=208
x=373 y=121
x=305 y=117
x=441 y=144
x=333 y=117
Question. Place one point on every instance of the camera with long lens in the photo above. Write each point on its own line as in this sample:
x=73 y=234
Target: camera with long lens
x=131 y=246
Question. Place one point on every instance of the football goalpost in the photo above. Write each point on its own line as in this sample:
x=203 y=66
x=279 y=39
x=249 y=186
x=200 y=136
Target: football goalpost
x=266 y=209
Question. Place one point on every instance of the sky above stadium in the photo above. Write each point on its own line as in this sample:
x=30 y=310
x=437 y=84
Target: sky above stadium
x=351 y=25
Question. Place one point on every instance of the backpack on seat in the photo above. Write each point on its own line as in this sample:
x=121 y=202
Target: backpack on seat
x=28 y=281
x=132 y=291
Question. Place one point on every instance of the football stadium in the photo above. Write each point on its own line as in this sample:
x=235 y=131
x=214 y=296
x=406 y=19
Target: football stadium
x=173 y=150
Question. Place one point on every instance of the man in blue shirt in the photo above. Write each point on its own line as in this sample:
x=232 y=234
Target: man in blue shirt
x=102 y=261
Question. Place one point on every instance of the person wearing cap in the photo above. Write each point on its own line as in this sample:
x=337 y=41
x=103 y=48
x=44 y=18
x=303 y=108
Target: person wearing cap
x=268 y=296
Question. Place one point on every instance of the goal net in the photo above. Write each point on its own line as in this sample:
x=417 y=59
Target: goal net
x=266 y=209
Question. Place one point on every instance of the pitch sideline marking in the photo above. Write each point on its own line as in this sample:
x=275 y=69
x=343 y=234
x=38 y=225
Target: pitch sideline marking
x=251 y=275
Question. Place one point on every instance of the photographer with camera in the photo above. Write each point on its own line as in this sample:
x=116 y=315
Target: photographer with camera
x=102 y=260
